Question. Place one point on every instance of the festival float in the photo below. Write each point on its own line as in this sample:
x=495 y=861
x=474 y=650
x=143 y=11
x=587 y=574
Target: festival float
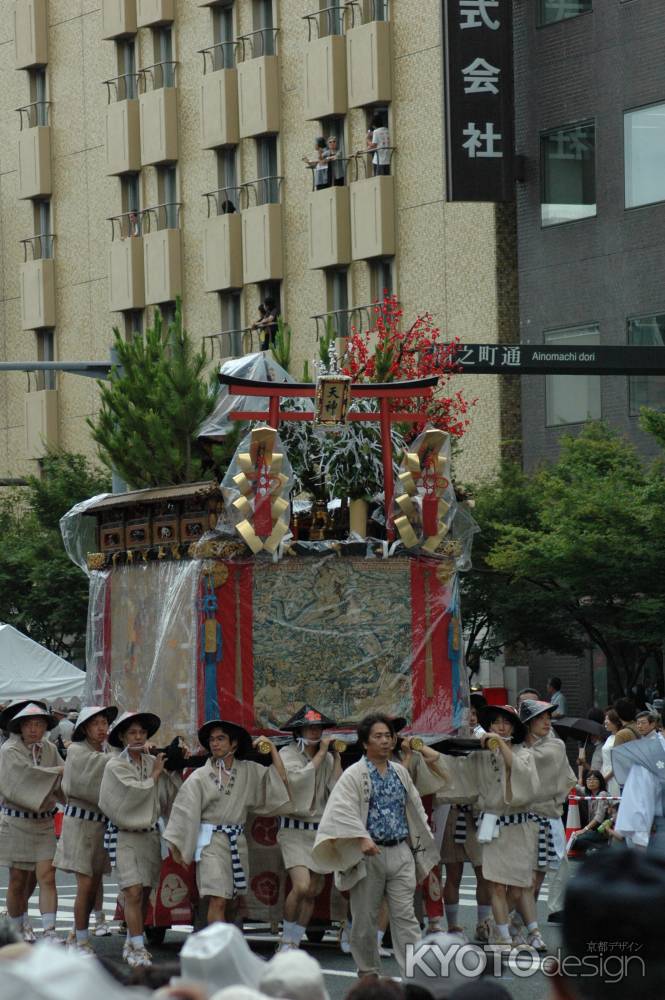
x=322 y=569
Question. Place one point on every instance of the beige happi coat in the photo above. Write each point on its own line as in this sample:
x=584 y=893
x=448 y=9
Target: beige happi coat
x=133 y=802
x=29 y=782
x=344 y=823
x=507 y=859
x=555 y=780
x=251 y=788
x=309 y=786
x=81 y=845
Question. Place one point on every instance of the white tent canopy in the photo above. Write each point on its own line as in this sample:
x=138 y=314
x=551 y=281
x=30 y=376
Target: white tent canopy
x=28 y=670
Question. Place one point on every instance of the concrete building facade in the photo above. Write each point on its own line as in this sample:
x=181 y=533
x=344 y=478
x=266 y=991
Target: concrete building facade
x=590 y=126
x=159 y=152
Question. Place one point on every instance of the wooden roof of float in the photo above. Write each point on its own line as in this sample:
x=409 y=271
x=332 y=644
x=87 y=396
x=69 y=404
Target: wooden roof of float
x=186 y=491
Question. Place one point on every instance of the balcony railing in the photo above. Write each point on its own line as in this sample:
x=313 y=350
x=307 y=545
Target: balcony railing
x=37 y=113
x=222 y=55
x=232 y=343
x=263 y=191
x=126 y=225
x=344 y=170
x=122 y=88
x=159 y=75
x=253 y=44
x=226 y=201
x=158 y=217
x=339 y=174
x=329 y=21
x=360 y=318
x=368 y=10
x=38 y=247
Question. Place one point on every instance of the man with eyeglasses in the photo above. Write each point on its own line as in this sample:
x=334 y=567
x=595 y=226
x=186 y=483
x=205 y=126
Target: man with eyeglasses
x=374 y=835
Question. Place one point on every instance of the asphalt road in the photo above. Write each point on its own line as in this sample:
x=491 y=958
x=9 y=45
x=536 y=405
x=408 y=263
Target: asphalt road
x=523 y=982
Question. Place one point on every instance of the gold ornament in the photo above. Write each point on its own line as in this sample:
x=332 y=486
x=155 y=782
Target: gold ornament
x=95 y=560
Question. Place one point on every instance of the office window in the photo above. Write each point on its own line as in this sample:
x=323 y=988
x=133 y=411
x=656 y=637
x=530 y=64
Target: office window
x=223 y=36
x=646 y=390
x=227 y=182
x=376 y=10
x=551 y=11
x=267 y=185
x=38 y=96
x=568 y=163
x=46 y=352
x=230 y=311
x=41 y=212
x=644 y=154
x=130 y=193
x=338 y=299
x=572 y=399
x=133 y=324
x=331 y=21
x=263 y=20
x=381 y=273
x=164 y=71
x=126 y=56
x=167 y=192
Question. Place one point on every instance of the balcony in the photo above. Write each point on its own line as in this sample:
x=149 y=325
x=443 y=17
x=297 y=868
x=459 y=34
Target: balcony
x=123 y=133
x=258 y=83
x=118 y=18
x=325 y=64
x=373 y=207
x=329 y=219
x=222 y=241
x=162 y=255
x=30 y=34
x=262 y=231
x=342 y=322
x=219 y=97
x=158 y=106
x=152 y=13
x=231 y=343
x=37 y=279
x=41 y=422
x=126 y=265
x=368 y=61
x=34 y=151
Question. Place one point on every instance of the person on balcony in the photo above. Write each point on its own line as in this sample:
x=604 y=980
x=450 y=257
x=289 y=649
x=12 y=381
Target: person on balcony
x=337 y=166
x=319 y=164
x=378 y=139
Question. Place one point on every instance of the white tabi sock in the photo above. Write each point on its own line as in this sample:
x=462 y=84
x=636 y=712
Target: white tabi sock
x=290 y=931
x=452 y=914
x=484 y=912
x=82 y=935
x=137 y=941
x=533 y=926
x=298 y=933
x=503 y=931
x=48 y=921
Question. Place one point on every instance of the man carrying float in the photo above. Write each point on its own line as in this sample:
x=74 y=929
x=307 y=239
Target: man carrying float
x=312 y=772
x=207 y=822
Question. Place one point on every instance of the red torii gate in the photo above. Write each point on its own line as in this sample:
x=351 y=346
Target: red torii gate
x=385 y=393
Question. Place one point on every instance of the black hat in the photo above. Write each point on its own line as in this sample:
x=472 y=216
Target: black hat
x=150 y=723
x=33 y=710
x=531 y=709
x=10 y=711
x=307 y=716
x=488 y=714
x=233 y=731
x=91 y=712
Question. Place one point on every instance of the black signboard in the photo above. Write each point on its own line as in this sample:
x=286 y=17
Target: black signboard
x=547 y=359
x=479 y=99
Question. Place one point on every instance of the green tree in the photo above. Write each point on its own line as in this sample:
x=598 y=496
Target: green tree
x=152 y=406
x=574 y=555
x=42 y=593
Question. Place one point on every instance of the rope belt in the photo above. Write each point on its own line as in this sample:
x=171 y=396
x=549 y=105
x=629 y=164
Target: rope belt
x=233 y=831
x=286 y=823
x=547 y=855
x=460 y=824
x=511 y=820
x=77 y=812
x=111 y=839
x=21 y=814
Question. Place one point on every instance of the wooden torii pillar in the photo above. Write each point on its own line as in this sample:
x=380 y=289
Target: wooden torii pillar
x=386 y=394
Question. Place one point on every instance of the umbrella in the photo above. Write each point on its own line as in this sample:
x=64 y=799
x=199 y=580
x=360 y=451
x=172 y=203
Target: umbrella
x=582 y=728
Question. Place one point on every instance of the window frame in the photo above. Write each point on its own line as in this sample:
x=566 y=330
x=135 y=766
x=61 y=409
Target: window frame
x=629 y=379
x=547 y=392
x=552 y=131
x=562 y=20
x=629 y=111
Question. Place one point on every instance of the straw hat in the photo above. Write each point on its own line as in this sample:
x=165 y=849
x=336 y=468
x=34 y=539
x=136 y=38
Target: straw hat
x=234 y=731
x=219 y=956
x=150 y=723
x=530 y=709
x=307 y=716
x=10 y=710
x=31 y=711
x=86 y=714
x=488 y=714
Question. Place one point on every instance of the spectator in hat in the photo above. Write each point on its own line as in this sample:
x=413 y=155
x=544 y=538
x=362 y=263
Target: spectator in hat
x=81 y=846
x=207 y=822
x=312 y=772
x=135 y=793
x=30 y=776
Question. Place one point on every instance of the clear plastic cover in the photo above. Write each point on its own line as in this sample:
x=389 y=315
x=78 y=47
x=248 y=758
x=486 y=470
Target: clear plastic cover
x=263 y=368
x=79 y=531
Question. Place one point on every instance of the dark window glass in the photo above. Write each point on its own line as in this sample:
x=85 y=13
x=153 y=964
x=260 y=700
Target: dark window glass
x=646 y=390
x=568 y=158
x=552 y=11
